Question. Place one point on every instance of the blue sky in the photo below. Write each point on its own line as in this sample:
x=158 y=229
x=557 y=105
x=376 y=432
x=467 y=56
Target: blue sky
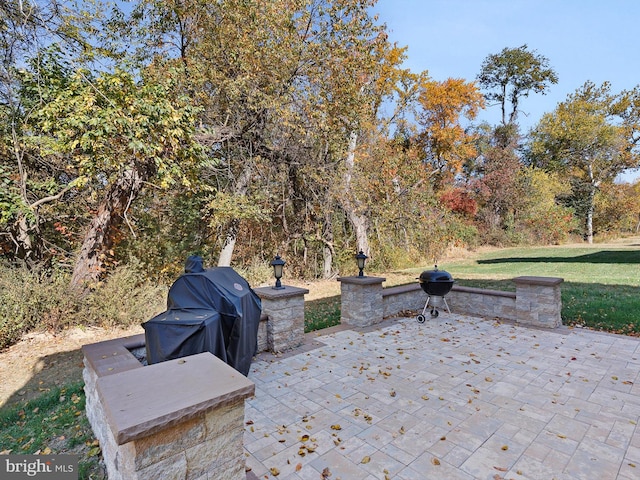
x=594 y=40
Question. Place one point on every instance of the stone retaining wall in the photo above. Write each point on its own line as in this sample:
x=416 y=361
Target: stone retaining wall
x=536 y=301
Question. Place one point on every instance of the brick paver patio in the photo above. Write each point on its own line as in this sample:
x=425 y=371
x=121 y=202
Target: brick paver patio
x=453 y=398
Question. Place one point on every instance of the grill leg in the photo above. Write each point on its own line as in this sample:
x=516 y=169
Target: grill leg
x=426 y=306
x=446 y=304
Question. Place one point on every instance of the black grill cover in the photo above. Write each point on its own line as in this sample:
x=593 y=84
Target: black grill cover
x=213 y=310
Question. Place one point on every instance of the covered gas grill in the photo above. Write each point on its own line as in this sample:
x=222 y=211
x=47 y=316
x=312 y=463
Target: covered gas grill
x=208 y=310
x=435 y=283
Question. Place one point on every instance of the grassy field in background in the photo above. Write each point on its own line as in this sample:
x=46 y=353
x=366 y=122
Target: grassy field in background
x=601 y=288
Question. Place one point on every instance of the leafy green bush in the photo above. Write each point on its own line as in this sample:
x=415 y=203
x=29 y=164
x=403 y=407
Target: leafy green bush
x=31 y=299
x=40 y=299
x=124 y=299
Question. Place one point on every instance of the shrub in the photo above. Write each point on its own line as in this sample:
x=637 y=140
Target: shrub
x=39 y=299
x=30 y=299
x=124 y=299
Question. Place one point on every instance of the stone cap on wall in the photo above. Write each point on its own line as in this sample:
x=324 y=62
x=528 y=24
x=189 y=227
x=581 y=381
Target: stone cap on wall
x=544 y=281
x=356 y=280
x=287 y=291
x=113 y=356
x=143 y=401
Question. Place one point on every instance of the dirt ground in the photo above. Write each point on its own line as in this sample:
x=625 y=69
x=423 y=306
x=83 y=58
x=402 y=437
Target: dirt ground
x=41 y=361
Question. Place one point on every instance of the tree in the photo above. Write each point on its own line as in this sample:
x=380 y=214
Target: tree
x=512 y=75
x=446 y=143
x=587 y=138
x=120 y=135
x=32 y=185
x=283 y=85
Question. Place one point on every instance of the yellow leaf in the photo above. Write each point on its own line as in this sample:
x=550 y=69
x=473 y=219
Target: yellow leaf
x=435 y=461
x=366 y=459
x=505 y=447
x=336 y=427
x=274 y=471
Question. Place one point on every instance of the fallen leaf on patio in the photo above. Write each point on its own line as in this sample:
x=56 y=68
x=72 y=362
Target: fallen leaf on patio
x=392 y=393
x=501 y=469
x=336 y=427
x=614 y=377
x=249 y=422
x=445 y=340
x=366 y=459
x=498 y=477
x=326 y=473
x=298 y=467
x=304 y=438
x=632 y=465
x=424 y=397
x=274 y=471
x=402 y=430
x=443 y=438
x=435 y=461
x=488 y=379
x=561 y=436
x=627 y=382
x=338 y=395
x=505 y=447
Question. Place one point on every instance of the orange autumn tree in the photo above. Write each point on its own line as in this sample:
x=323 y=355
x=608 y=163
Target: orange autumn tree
x=443 y=137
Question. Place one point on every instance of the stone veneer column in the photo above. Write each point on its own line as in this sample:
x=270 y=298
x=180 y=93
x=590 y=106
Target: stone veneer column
x=538 y=301
x=285 y=311
x=176 y=420
x=361 y=300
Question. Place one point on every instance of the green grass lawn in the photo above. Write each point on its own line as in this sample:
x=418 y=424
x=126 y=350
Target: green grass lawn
x=601 y=288
x=53 y=423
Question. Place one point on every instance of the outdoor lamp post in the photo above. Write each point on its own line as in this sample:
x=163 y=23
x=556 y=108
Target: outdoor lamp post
x=360 y=258
x=277 y=264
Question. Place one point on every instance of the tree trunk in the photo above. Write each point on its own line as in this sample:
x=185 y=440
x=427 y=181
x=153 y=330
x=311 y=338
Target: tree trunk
x=25 y=247
x=327 y=250
x=90 y=263
x=240 y=189
x=591 y=205
x=226 y=253
x=359 y=222
x=590 y=209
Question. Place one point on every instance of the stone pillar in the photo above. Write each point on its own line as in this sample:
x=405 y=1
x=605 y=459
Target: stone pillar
x=361 y=300
x=285 y=311
x=538 y=301
x=181 y=419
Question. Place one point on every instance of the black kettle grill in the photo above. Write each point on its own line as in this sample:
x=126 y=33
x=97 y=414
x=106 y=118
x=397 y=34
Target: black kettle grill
x=435 y=283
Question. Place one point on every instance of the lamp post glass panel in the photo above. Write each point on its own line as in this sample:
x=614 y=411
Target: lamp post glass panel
x=277 y=264
x=360 y=258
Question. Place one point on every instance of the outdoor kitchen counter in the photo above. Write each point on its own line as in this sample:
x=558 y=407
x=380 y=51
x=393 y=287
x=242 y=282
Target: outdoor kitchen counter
x=141 y=400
